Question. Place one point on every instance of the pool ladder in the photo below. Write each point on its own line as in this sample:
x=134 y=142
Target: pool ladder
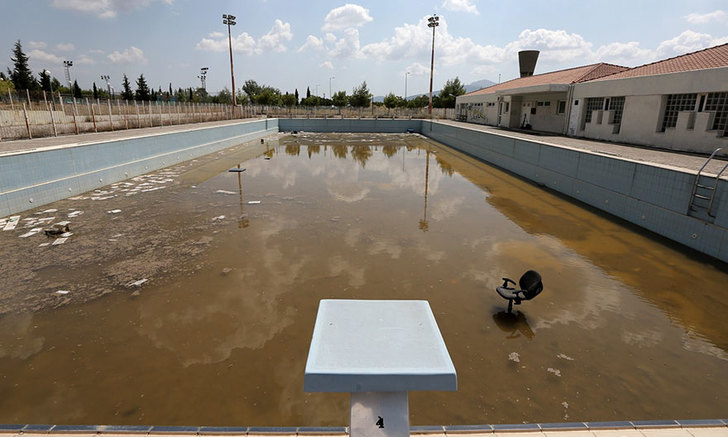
x=703 y=192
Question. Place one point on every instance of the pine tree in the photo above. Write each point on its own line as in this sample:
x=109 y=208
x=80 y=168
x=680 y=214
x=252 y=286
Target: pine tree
x=45 y=81
x=21 y=75
x=96 y=92
x=77 y=90
x=142 y=91
x=127 y=93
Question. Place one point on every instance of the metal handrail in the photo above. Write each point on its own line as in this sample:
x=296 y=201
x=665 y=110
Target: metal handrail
x=715 y=187
x=697 y=178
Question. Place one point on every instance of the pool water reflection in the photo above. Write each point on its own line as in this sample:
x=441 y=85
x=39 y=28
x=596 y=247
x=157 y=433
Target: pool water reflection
x=627 y=327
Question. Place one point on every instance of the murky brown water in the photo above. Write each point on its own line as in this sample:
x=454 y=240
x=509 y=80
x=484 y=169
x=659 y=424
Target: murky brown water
x=628 y=327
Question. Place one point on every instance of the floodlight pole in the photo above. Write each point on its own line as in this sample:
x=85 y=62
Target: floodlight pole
x=68 y=65
x=107 y=78
x=405 y=85
x=434 y=21
x=230 y=21
x=330 y=95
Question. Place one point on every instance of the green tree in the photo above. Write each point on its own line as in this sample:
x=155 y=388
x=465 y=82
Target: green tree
x=340 y=99
x=268 y=96
x=361 y=97
x=45 y=81
x=127 y=93
x=142 y=90
x=308 y=92
x=418 y=102
x=225 y=96
x=252 y=88
x=296 y=94
x=95 y=91
x=21 y=75
x=391 y=101
x=450 y=91
x=180 y=95
x=77 y=93
x=5 y=84
x=288 y=100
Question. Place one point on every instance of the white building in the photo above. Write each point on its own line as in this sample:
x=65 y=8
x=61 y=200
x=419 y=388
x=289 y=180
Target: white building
x=679 y=103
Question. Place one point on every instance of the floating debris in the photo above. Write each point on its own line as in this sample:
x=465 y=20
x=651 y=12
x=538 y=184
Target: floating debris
x=62 y=291
x=66 y=234
x=114 y=211
x=236 y=170
x=44 y=244
x=59 y=241
x=74 y=214
x=556 y=372
x=564 y=357
x=253 y=202
x=11 y=223
x=220 y=217
x=513 y=356
x=225 y=192
x=137 y=283
x=103 y=198
x=31 y=232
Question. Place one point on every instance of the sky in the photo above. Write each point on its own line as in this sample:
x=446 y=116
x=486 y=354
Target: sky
x=330 y=46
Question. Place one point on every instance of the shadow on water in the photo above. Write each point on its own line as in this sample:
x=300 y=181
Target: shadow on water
x=514 y=323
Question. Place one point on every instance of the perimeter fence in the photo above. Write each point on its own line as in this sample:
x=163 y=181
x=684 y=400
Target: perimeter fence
x=39 y=114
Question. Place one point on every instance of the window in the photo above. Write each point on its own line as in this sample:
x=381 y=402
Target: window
x=508 y=106
x=561 y=107
x=718 y=102
x=675 y=104
x=592 y=104
x=616 y=104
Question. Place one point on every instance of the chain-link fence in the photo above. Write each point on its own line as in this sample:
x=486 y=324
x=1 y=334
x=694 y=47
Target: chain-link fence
x=39 y=114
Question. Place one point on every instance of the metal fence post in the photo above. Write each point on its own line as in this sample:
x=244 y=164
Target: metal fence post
x=151 y=117
x=161 y=119
x=60 y=99
x=93 y=114
x=75 y=112
x=139 y=117
x=118 y=106
x=27 y=125
x=50 y=111
x=111 y=121
x=10 y=95
x=30 y=103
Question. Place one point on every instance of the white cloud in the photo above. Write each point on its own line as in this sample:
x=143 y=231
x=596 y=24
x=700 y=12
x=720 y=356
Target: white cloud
x=104 y=8
x=44 y=56
x=417 y=69
x=627 y=54
x=717 y=16
x=345 y=17
x=215 y=35
x=686 y=42
x=273 y=40
x=128 y=56
x=460 y=6
x=37 y=45
x=312 y=42
x=346 y=46
x=330 y=38
x=555 y=45
x=85 y=60
x=67 y=47
x=327 y=64
x=242 y=43
x=96 y=52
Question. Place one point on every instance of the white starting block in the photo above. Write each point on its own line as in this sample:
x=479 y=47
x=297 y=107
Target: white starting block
x=378 y=350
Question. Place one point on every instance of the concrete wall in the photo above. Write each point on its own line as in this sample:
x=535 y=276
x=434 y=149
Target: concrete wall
x=348 y=125
x=649 y=196
x=30 y=179
x=644 y=107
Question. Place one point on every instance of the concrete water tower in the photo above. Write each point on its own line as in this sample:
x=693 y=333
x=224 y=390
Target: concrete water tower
x=527 y=62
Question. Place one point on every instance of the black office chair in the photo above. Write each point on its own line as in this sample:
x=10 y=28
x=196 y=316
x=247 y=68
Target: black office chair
x=530 y=284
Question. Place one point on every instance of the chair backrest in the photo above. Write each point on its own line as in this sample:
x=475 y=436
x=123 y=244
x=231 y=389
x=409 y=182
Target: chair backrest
x=531 y=284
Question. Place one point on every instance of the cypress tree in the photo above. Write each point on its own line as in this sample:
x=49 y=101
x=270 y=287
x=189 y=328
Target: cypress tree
x=127 y=93
x=142 y=91
x=96 y=91
x=77 y=90
x=21 y=75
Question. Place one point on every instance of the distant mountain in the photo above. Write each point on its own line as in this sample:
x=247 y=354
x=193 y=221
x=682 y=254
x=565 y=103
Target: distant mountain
x=478 y=84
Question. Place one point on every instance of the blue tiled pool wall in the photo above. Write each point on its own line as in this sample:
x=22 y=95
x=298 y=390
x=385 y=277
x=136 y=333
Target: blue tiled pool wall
x=655 y=198
x=49 y=175
x=449 y=429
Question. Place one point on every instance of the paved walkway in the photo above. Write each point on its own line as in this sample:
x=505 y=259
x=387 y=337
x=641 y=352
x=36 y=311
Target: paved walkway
x=648 y=432
x=685 y=161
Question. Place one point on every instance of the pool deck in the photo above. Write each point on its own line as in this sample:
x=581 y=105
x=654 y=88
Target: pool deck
x=685 y=161
x=689 y=431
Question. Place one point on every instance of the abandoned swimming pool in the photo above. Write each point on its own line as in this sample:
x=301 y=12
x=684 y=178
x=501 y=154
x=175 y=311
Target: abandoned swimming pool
x=628 y=327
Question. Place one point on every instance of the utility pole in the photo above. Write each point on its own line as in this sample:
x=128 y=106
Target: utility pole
x=434 y=21
x=230 y=21
x=405 y=85
x=330 y=95
x=203 y=77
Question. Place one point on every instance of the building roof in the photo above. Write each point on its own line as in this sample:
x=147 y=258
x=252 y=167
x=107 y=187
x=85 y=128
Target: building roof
x=565 y=77
x=713 y=57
